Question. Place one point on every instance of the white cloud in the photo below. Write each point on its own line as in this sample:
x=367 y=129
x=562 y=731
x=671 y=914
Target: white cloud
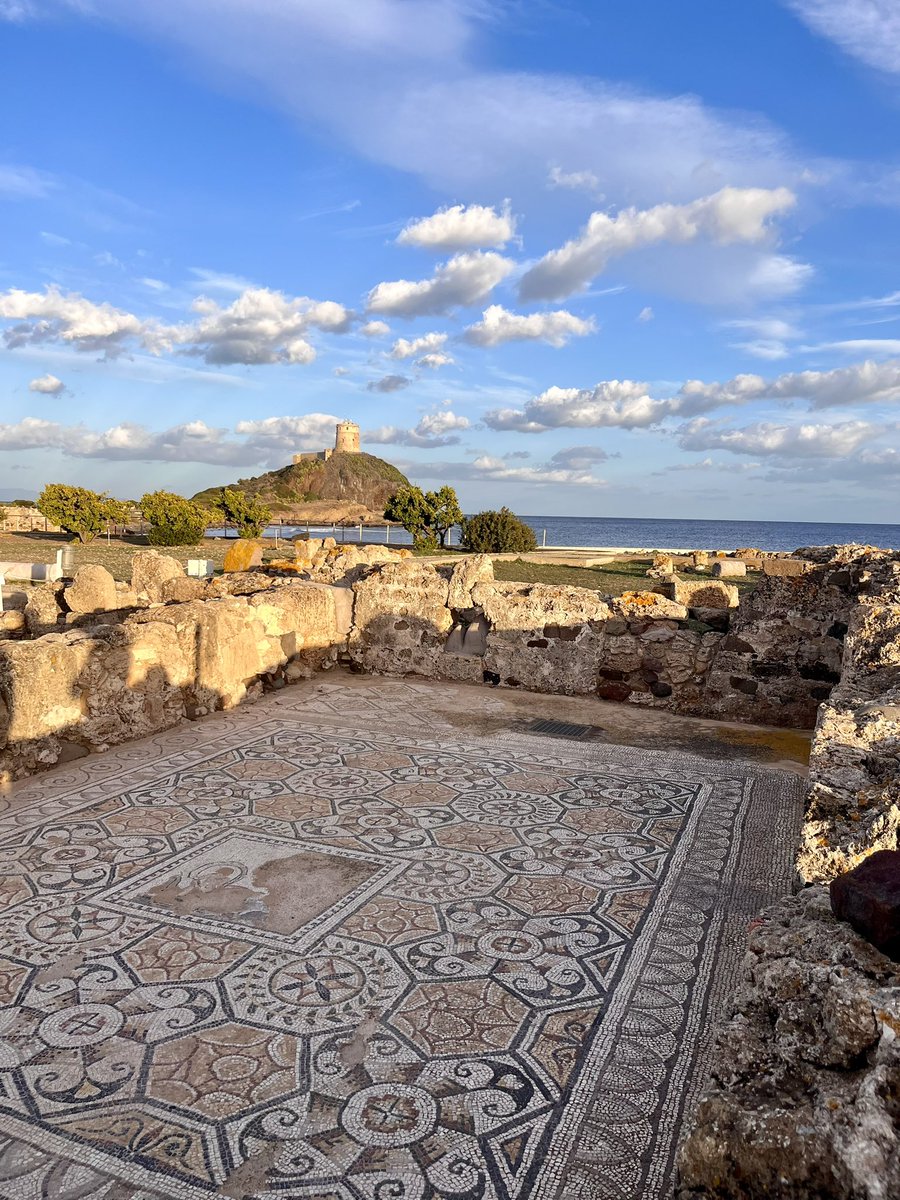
x=375 y=329
x=390 y=383
x=579 y=181
x=579 y=458
x=25 y=183
x=271 y=436
x=340 y=372
x=437 y=359
x=646 y=314
x=867 y=29
x=219 y=281
x=771 y=439
x=498 y=326
x=52 y=316
x=628 y=404
x=461 y=228
x=53 y=239
x=730 y=215
x=47 y=385
x=410 y=347
x=15 y=10
x=155 y=285
x=465 y=279
x=889 y=347
x=490 y=469
x=433 y=430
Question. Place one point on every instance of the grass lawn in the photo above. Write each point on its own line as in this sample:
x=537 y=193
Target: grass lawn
x=623 y=575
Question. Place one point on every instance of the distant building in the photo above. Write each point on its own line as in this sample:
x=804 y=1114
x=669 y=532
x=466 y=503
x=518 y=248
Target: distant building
x=346 y=441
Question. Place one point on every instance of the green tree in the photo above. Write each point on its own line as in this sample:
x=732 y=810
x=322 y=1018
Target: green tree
x=409 y=507
x=445 y=511
x=174 y=521
x=248 y=514
x=79 y=511
x=497 y=533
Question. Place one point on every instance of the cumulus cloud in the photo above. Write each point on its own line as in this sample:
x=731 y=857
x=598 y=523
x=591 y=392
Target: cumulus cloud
x=410 y=347
x=579 y=181
x=461 y=228
x=390 y=383
x=498 y=325
x=260 y=326
x=805 y=440
x=729 y=215
x=579 y=458
x=628 y=403
x=464 y=280
x=490 y=469
x=375 y=329
x=47 y=385
x=280 y=435
x=437 y=359
x=867 y=29
x=433 y=430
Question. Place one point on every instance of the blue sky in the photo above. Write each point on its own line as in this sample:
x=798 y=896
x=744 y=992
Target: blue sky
x=573 y=256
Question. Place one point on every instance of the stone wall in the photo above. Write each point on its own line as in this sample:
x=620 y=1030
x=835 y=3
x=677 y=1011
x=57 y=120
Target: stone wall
x=804 y=1099
x=67 y=694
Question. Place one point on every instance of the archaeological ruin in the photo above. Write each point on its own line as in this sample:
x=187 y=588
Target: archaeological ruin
x=443 y=919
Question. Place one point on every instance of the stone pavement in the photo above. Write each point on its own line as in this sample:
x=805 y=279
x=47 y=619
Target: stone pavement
x=329 y=947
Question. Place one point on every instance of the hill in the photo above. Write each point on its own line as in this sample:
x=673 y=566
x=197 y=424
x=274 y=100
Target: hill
x=360 y=483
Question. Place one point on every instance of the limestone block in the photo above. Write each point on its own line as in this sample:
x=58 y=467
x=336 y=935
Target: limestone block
x=471 y=570
x=728 y=567
x=533 y=608
x=703 y=593
x=12 y=623
x=149 y=570
x=868 y=898
x=407 y=589
x=647 y=606
x=43 y=610
x=181 y=588
x=700 y=559
x=93 y=590
x=786 y=567
x=243 y=555
x=664 y=564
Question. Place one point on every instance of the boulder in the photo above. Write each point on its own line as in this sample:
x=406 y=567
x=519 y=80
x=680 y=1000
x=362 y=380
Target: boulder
x=150 y=570
x=647 y=606
x=12 y=623
x=663 y=563
x=729 y=567
x=43 y=611
x=93 y=591
x=700 y=593
x=182 y=588
x=786 y=567
x=472 y=570
x=700 y=560
x=868 y=898
x=243 y=555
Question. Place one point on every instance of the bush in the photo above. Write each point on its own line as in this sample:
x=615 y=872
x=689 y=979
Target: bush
x=174 y=521
x=79 y=511
x=248 y=514
x=497 y=533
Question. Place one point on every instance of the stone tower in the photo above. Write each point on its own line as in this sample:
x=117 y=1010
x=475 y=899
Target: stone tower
x=346 y=438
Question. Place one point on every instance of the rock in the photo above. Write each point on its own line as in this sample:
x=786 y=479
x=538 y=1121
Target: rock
x=181 y=588
x=700 y=593
x=93 y=591
x=43 y=611
x=868 y=898
x=469 y=571
x=786 y=567
x=647 y=606
x=243 y=555
x=663 y=563
x=12 y=623
x=149 y=570
x=700 y=560
x=728 y=567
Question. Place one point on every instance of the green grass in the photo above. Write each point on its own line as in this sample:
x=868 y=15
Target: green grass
x=623 y=575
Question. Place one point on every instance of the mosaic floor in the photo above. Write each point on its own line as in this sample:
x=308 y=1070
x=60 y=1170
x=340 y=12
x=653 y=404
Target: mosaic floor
x=321 y=948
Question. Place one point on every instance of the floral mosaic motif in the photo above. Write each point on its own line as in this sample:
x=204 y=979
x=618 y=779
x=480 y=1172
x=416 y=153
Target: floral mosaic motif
x=307 y=958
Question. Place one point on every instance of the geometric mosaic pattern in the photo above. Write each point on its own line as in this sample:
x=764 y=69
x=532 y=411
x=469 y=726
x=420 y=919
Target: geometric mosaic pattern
x=291 y=954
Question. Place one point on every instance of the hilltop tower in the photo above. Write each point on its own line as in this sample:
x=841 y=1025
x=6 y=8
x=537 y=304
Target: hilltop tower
x=346 y=438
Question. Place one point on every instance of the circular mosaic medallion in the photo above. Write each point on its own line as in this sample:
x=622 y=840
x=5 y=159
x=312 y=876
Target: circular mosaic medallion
x=388 y=1115
x=81 y=1025
x=319 y=979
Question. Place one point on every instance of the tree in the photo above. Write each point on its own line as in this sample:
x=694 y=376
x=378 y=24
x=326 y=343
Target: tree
x=248 y=514
x=497 y=533
x=174 y=521
x=428 y=516
x=445 y=512
x=410 y=509
x=79 y=511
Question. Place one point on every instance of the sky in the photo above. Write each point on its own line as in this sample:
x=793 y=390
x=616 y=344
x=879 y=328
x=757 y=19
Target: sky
x=577 y=257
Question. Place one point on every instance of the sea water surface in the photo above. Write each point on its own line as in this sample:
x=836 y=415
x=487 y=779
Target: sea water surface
x=649 y=533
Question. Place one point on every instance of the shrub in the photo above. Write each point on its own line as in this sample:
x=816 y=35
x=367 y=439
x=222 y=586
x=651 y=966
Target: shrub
x=174 y=521
x=248 y=514
x=497 y=533
x=79 y=511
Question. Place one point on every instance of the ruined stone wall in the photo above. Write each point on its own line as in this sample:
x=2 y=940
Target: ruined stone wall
x=66 y=694
x=804 y=1097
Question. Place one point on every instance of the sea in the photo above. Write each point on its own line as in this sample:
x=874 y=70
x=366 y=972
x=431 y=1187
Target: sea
x=645 y=533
